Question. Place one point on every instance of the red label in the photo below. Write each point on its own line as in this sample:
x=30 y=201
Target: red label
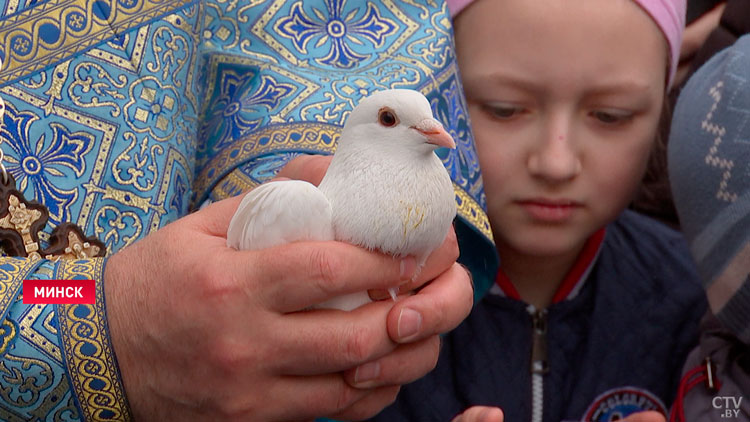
x=53 y=292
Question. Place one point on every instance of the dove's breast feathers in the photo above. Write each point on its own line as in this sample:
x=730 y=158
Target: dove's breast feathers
x=277 y=213
x=399 y=205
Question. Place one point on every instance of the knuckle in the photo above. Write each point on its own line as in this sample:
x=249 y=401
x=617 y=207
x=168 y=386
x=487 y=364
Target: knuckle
x=451 y=242
x=325 y=269
x=334 y=401
x=226 y=355
x=230 y=410
x=468 y=280
x=222 y=357
x=423 y=359
x=437 y=315
x=446 y=311
x=433 y=353
x=211 y=287
x=389 y=395
x=225 y=405
x=345 y=398
x=358 y=345
x=215 y=284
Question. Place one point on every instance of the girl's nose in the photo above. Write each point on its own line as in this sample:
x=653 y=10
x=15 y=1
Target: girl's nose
x=555 y=158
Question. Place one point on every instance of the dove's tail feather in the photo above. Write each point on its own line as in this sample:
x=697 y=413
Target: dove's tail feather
x=346 y=302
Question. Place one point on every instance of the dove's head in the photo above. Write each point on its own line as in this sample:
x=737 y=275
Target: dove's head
x=396 y=118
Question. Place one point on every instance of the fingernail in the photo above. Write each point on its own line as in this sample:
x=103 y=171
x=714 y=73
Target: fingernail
x=408 y=266
x=409 y=323
x=366 y=373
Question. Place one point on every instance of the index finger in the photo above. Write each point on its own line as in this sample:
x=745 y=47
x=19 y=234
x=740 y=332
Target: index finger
x=299 y=275
x=324 y=341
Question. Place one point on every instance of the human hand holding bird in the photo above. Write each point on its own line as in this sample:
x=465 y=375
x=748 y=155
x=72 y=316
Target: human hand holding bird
x=385 y=190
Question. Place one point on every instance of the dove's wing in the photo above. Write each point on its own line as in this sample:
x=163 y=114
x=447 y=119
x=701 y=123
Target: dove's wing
x=280 y=212
x=276 y=213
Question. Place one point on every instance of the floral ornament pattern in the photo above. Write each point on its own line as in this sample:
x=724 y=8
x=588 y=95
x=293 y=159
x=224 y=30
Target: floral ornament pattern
x=243 y=100
x=449 y=107
x=36 y=162
x=340 y=30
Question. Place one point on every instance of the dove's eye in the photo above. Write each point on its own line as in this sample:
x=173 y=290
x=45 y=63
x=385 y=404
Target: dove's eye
x=387 y=117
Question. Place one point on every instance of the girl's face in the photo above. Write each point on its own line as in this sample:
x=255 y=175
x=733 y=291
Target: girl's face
x=564 y=99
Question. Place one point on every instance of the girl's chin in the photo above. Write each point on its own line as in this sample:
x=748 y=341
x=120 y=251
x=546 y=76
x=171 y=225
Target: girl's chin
x=543 y=247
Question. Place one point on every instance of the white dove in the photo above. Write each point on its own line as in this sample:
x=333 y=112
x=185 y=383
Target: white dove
x=385 y=189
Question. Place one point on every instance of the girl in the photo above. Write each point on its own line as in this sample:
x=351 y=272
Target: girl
x=594 y=308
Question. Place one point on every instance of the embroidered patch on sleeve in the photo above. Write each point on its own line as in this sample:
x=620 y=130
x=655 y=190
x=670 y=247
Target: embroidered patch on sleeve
x=618 y=403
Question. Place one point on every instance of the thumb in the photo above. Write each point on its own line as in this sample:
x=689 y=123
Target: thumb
x=310 y=168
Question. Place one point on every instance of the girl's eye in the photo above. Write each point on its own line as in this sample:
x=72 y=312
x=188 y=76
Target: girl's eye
x=387 y=118
x=502 y=111
x=610 y=117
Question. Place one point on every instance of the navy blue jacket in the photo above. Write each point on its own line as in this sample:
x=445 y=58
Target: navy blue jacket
x=617 y=346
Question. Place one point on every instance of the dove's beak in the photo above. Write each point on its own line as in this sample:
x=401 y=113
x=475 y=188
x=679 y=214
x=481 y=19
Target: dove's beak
x=435 y=133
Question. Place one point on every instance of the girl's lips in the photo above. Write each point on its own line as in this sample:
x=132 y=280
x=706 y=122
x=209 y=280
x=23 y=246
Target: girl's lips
x=550 y=211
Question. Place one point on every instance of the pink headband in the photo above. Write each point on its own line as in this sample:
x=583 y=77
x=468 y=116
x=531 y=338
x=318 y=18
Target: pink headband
x=669 y=15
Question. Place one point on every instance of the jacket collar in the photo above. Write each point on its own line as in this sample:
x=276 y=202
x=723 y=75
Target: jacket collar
x=573 y=281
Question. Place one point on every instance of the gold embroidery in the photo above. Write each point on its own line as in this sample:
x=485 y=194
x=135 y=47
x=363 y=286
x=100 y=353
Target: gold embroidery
x=12 y=272
x=103 y=131
x=125 y=197
x=88 y=353
x=55 y=89
x=7 y=335
x=79 y=27
x=33 y=336
x=233 y=184
x=114 y=225
x=38 y=379
x=309 y=137
x=469 y=209
x=103 y=85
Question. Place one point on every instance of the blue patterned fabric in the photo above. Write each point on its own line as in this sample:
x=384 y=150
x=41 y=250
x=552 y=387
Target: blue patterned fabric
x=121 y=116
